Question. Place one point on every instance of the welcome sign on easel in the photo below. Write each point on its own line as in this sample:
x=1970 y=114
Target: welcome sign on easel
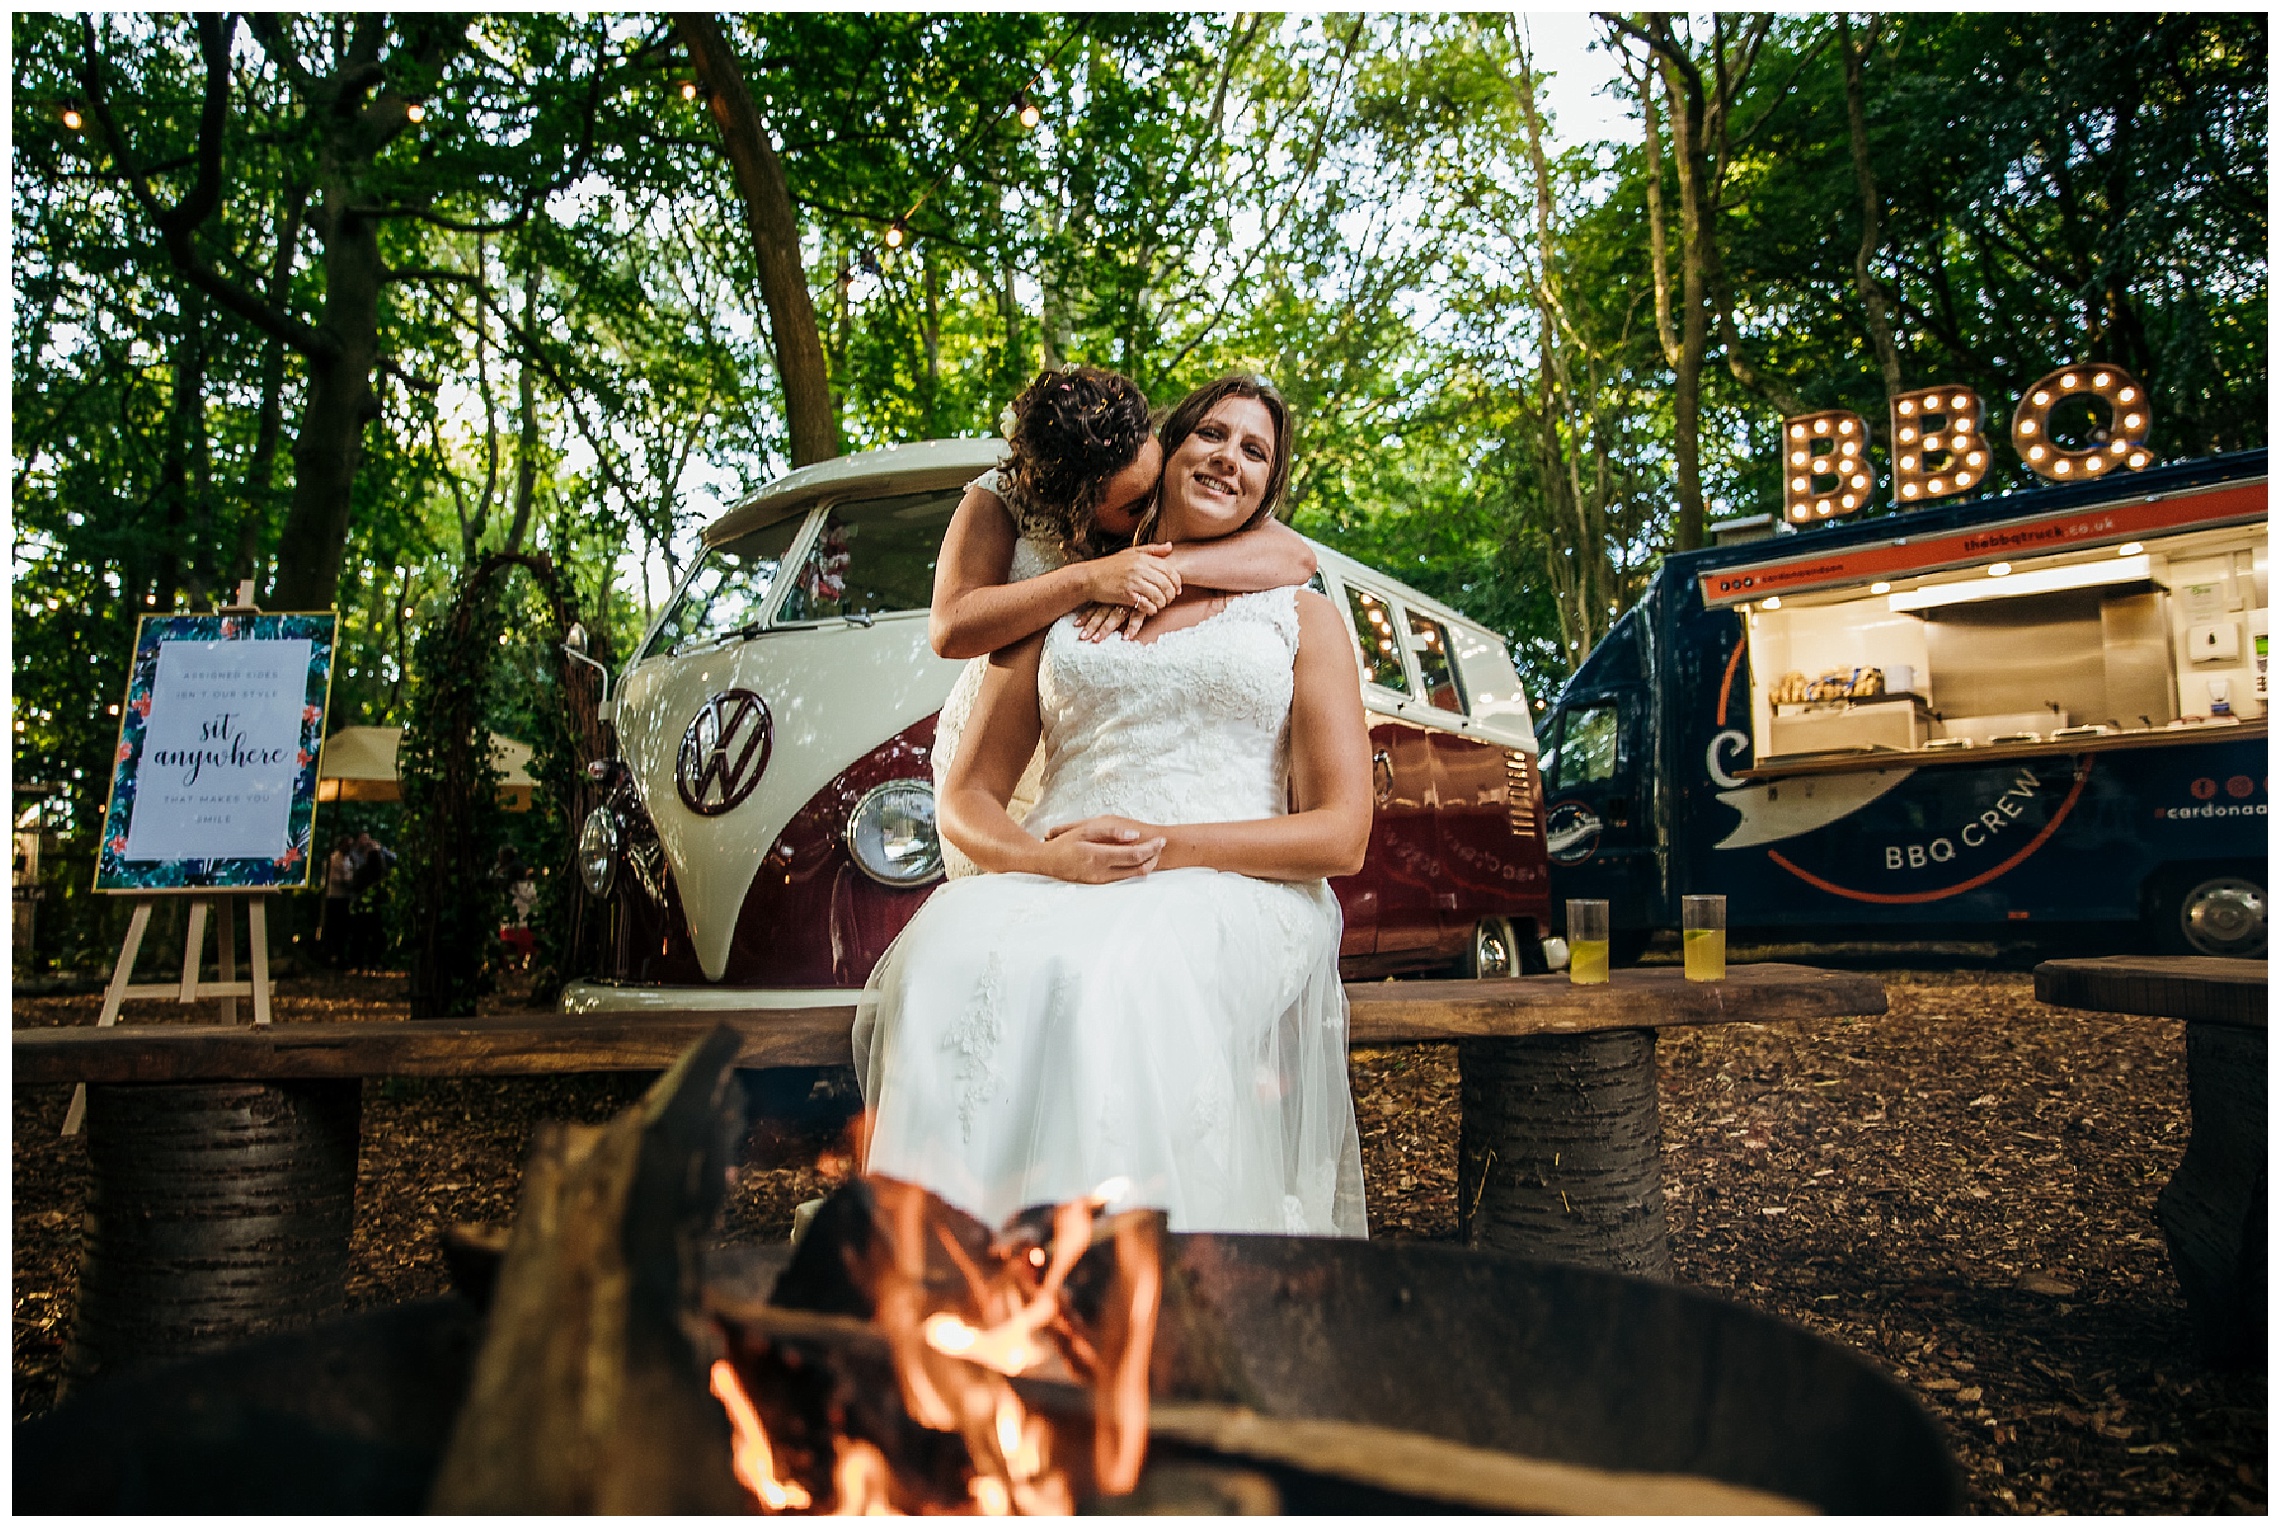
x=214 y=783
x=213 y=792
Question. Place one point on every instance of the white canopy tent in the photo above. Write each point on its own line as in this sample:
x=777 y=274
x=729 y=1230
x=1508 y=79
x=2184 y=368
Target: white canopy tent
x=359 y=764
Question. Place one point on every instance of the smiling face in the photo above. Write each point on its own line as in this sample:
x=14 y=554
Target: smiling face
x=1215 y=479
x=1125 y=497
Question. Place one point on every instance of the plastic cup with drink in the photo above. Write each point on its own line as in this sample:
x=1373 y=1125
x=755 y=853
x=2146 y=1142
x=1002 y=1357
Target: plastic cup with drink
x=1587 y=942
x=1702 y=930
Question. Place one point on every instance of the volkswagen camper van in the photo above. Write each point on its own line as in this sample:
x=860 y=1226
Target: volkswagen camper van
x=767 y=826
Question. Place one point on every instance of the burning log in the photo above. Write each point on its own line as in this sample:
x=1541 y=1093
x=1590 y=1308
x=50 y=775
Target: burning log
x=896 y=1296
x=589 y=1394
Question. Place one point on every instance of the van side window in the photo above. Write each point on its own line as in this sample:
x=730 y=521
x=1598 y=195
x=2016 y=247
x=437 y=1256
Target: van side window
x=1587 y=747
x=725 y=592
x=872 y=557
x=1429 y=640
x=1376 y=642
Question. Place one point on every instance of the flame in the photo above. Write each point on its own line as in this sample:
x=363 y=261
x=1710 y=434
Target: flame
x=955 y=1351
x=860 y=1478
x=755 y=1460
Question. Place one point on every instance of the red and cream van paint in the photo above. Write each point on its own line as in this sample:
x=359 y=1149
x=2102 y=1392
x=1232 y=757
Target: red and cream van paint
x=767 y=828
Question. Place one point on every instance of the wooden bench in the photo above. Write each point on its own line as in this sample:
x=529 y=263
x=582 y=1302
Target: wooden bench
x=1559 y=1146
x=2212 y=1210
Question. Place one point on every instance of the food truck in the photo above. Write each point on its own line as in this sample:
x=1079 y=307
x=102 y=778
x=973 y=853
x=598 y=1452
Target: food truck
x=768 y=827
x=2045 y=707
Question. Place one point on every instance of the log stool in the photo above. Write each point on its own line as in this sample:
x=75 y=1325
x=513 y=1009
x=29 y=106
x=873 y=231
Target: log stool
x=216 y=1211
x=1560 y=1148
x=2212 y=1211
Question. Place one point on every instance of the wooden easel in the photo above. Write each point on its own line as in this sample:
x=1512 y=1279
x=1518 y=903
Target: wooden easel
x=190 y=989
x=217 y=904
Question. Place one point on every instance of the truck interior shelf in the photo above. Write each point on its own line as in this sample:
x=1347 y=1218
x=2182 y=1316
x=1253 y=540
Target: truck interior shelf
x=1853 y=760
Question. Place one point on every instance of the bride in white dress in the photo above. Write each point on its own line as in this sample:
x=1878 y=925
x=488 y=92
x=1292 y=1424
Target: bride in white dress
x=1144 y=983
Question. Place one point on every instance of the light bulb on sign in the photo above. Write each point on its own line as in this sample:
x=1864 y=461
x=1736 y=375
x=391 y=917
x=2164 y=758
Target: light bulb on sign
x=1998 y=570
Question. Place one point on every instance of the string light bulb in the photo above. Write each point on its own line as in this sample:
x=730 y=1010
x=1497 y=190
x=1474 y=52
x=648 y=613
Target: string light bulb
x=415 y=112
x=895 y=234
x=1028 y=113
x=72 y=119
x=688 y=90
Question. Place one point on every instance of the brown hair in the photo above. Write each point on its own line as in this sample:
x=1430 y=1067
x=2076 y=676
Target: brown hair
x=1191 y=411
x=1073 y=429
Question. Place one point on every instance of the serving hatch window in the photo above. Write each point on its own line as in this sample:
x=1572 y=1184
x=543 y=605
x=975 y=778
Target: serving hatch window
x=724 y=595
x=871 y=557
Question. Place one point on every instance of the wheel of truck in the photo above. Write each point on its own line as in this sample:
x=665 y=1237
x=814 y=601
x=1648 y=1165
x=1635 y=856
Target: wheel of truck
x=1494 y=950
x=2220 y=913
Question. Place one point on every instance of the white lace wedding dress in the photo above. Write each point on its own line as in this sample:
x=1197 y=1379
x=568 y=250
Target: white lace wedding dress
x=1028 y=1039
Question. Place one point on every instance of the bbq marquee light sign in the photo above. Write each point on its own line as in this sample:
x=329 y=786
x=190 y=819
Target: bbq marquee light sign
x=1938 y=449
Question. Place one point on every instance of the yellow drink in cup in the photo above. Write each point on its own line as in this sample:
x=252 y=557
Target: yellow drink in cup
x=1587 y=961
x=1705 y=954
x=1587 y=942
x=1703 y=935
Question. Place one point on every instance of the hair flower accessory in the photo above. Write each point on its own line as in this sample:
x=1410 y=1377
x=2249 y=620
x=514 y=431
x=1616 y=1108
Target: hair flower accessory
x=1007 y=421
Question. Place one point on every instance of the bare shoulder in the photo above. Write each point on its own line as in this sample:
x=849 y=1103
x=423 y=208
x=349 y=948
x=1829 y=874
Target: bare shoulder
x=1318 y=618
x=1322 y=635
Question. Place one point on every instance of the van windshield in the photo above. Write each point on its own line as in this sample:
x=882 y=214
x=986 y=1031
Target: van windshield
x=872 y=557
x=726 y=592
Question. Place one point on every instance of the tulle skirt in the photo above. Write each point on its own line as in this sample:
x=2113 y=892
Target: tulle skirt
x=1026 y=1040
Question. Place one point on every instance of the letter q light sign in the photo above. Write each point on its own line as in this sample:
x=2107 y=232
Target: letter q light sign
x=2123 y=439
x=1939 y=450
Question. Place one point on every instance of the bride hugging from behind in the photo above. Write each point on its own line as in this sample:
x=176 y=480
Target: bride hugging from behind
x=1143 y=982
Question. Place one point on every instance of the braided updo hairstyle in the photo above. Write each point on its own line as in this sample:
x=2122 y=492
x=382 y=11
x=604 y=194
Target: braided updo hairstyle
x=1073 y=429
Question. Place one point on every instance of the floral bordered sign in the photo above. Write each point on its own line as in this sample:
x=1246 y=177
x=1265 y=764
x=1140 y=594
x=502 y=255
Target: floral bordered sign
x=214 y=781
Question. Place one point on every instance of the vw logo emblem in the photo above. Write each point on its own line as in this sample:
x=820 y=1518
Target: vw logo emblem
x=724 y=752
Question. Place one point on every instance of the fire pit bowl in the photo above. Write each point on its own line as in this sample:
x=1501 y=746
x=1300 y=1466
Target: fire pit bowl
x=1560 y=1363
x=1571 y=1366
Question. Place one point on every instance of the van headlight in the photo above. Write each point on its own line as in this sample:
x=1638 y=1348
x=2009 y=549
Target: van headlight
x=598 y=851
x=891 y=834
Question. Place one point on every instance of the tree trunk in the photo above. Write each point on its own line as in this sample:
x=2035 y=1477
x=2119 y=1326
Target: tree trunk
x=526 y=441
x=342 y=401
x=1876 y=304
x=261 y=471
x=775 y=230
x=1694 y=319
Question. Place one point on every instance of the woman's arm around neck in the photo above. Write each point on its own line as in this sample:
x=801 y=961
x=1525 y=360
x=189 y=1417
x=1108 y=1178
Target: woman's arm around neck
x=1267 y=556
x=975 y=611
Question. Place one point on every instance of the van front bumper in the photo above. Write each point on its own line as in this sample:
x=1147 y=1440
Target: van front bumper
x=630 y=998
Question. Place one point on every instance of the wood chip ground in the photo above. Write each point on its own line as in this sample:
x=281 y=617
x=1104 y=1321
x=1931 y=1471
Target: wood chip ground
x=1963 y=1191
